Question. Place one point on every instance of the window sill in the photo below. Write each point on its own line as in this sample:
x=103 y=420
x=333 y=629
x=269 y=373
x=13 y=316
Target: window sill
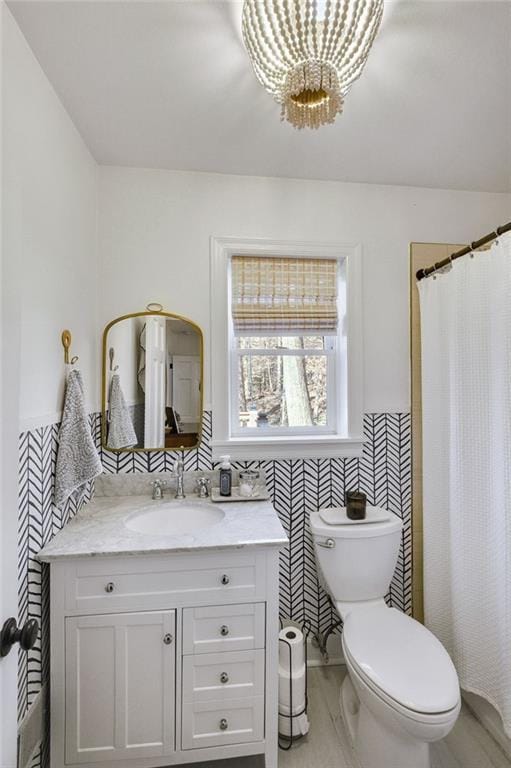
x=300 y=447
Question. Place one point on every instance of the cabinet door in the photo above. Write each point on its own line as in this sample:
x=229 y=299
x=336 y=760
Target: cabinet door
x=120 y=686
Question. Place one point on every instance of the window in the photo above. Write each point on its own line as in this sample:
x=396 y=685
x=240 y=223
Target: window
x=283 y=345
x=284 y=383
x=286 y=349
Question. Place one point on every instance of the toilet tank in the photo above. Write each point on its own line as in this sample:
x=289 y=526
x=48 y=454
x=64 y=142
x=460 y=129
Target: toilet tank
x=360 y=564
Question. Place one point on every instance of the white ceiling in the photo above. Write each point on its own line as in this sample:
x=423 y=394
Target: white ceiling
x=168 y=85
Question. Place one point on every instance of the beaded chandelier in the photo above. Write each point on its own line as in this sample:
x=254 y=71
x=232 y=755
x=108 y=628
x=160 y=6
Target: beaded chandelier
x=307 y=53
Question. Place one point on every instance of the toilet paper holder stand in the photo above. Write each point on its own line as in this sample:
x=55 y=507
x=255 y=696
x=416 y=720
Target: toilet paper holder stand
x=306 y=629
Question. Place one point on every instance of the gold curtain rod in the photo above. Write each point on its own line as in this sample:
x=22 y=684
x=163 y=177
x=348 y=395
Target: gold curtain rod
x=421 y=273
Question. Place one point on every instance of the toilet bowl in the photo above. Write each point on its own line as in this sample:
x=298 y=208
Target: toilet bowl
x=402 y=690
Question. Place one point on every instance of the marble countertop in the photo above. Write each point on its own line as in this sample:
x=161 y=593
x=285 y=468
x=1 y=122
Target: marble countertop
x=99 y=529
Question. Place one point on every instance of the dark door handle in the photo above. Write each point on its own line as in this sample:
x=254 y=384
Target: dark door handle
x=11 y=634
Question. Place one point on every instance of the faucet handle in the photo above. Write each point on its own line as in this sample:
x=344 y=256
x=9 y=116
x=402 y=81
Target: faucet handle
x=158 y=486
x=158 y=483
x=203 y=484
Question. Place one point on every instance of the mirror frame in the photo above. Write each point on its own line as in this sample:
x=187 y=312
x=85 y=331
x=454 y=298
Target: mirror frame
x=104 y=377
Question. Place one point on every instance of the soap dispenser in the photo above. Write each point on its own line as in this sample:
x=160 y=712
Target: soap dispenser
x=225 y=476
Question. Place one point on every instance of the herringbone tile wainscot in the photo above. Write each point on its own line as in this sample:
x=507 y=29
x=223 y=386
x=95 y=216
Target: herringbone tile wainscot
x=297 y=487
x=38 y=521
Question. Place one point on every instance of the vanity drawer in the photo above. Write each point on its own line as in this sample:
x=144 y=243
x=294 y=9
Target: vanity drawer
x=146 y=583
x=215 y=724
x=221 y=628
x=220 y=676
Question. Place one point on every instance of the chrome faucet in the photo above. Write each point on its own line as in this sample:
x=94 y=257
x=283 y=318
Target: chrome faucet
x=180 y=469
x=158 y=486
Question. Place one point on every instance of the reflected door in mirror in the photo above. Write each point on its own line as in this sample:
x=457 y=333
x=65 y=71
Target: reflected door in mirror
x=152 y=382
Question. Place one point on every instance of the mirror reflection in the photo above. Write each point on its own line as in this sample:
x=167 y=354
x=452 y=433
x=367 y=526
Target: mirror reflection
x=152 y=374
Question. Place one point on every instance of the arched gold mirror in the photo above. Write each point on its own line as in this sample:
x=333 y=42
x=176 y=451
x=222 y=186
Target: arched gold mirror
x=152 y=382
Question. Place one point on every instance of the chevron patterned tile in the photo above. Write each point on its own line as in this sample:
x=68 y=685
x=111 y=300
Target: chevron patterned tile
x=117 y=463
x=204 y=453
x=38 y=521
x=337 y=479
x=191 y=460
x=296 y=488
x=169 y=460
x=317 y=494
x=352 y=476
x=37 y=759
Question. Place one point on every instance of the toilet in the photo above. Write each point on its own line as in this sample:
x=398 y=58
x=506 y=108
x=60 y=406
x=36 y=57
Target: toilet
x=402 y=690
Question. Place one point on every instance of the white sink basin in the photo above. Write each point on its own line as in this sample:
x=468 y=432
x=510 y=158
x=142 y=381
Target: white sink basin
x=173 y=518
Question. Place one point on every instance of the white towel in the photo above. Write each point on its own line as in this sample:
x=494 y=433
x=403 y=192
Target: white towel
x=77 y=458
x=121 y=433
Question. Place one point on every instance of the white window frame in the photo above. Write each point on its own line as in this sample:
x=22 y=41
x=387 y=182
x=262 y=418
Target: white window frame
x=347 y=440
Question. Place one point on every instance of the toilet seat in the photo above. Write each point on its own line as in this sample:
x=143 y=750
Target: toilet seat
x=407 y=716
x=401 y=661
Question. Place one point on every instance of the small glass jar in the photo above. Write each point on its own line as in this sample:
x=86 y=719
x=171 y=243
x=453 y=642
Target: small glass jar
x=355 y=505
x=249 y=480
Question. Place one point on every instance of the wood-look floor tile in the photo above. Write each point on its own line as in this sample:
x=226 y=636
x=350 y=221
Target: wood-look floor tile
x=327 y=744
x=469 y=745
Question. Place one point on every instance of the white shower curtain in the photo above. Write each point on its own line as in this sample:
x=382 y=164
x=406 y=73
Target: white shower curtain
x=466 y=399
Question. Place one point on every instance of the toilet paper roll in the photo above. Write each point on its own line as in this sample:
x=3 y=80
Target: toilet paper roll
x=300 y=726
x=298 y=692
x=292 y=681
x=294 y=662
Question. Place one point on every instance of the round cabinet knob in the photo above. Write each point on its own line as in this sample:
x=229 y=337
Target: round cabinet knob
x=167 y=639
x=223 y=724
x=225 y=579
x=224 y=630
x=11 y=634
x=224 y=677
x=110 y=587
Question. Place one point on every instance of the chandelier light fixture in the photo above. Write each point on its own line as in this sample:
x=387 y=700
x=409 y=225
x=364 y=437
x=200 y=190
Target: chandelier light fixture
x=307 y=53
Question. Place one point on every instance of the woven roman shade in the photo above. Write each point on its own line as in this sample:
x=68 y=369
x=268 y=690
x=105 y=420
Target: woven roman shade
x=283 y=294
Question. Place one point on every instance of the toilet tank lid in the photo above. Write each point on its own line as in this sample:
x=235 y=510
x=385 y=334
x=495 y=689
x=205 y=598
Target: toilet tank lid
x=372 y=530
x=338 y=516
x=402 y=658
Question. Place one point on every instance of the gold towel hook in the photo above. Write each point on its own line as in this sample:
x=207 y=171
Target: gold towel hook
x=66 y=339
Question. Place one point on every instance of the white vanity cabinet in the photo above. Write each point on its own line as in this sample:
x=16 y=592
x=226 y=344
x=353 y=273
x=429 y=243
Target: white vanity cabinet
x=164 y=659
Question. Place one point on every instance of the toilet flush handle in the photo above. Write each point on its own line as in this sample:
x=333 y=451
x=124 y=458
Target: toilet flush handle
x=328 y=543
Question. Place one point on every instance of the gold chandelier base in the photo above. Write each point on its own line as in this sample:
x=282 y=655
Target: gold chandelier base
x=311 y=95
x=310 y=98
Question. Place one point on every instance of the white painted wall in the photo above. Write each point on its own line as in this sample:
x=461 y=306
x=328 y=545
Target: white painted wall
x=51 y=186
x=8 y=480
x=154 y=230
x=49 y=281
